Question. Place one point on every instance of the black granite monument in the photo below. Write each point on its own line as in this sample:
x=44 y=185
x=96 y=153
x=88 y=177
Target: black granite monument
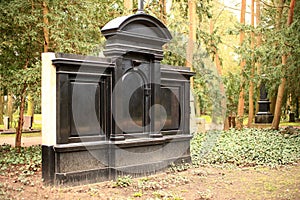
x=263 y=116
x=124 y=113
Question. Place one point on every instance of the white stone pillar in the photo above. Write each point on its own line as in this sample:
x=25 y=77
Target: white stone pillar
x=48 y=100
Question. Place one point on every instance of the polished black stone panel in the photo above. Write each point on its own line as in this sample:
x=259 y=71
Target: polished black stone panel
x=85 y=111
x=170 y=100
x=83 y=97
x=48 y=164
x=133 y=102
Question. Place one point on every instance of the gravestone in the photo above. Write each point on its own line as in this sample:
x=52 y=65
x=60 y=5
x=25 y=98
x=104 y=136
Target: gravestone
x=6 y=123
x=124 y=113
x=27 y=125
x=292 y=117
x=263 y=116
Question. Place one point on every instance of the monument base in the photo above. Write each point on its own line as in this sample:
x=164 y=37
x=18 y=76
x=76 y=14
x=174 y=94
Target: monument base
x=264 y=118
x=90 y=162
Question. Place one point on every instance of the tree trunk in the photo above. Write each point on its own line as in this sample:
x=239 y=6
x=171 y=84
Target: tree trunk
x=240 y=111
x=251 y=84
x=257 y=6
x=1 y=106
x=10 y=103
x=297 y=107
x=21 y=112
x=279 y=4
x=258 y=43
x=273 y=104
x=280 y=93
x=192 y=35
x=46 y=25
x=191 y=42
x=221 y=85
x=21 y=117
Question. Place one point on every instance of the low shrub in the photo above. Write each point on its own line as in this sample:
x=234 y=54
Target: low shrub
x=247 y=147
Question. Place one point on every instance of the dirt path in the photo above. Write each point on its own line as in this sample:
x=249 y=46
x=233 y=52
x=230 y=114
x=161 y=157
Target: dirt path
x=26 y=141
x=204 y=183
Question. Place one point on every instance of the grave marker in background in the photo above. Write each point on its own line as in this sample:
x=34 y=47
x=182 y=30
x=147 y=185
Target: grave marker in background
x=6 y=123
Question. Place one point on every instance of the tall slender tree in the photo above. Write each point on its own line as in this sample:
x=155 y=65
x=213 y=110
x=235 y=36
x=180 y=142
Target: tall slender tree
x=217 y=61
x=1 y=105
x=192 y=17
x=252 y=71
x=241 y=102
x=21 y=109
x=258 y=41
x=281 y=88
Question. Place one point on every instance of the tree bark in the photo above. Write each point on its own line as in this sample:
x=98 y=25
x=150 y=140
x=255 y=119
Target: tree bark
x=192 y=35
x=241 y=103
x=46 y=25
x=251 y=84
x=21 y=117
x=191 y=43
x=279 y=4
x=10 y=103
x=273 y=104
x=280 y=93
x=297 y=107
x=21 y=112
x=221 y=85
x=1 y=106
x=258 y=43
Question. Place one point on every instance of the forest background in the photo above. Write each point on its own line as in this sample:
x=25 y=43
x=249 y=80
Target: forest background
x=233 y=46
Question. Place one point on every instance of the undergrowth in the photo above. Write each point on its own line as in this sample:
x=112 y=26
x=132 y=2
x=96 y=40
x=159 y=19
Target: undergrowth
x=26 y=160
x=247 y=147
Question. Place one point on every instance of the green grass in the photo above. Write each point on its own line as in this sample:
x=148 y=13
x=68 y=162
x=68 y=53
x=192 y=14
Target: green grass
x=207 y=118
x=37 y=122
x=289 y=123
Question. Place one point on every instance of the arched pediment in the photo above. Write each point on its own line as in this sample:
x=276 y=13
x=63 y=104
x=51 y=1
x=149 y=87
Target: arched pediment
x=139 y=33
x=138 y=24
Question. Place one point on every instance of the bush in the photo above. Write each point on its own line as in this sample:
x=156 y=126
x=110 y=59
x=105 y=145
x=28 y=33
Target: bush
x=248 y=147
